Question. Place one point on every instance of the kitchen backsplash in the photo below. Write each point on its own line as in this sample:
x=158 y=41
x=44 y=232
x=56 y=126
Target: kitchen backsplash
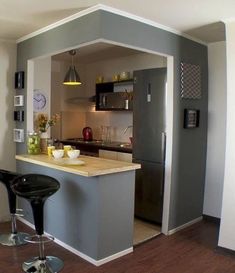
x=72 y=123
x=117 y=120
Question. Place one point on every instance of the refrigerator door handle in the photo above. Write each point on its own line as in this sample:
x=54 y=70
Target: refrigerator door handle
x=149 y=91
x=163 y=147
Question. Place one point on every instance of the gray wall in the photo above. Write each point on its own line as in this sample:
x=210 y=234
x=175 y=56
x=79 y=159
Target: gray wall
x=189 y=146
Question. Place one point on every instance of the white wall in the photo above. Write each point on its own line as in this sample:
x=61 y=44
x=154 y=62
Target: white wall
x=227 y=226
x=73 y=113
x=110 y=67
x=7 y=92
x=216 y=129
x=42 y=81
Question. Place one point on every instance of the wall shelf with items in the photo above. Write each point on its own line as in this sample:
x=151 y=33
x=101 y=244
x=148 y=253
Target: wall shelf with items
x=114 y=96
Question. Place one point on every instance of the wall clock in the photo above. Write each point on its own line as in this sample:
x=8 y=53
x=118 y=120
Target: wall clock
x=39 y=100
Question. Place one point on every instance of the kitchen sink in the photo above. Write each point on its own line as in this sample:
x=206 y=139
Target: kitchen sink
x=120 y=144
x=125 y=145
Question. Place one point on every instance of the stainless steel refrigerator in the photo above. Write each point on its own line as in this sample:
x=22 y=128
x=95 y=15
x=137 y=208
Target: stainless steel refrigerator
x=149 y=138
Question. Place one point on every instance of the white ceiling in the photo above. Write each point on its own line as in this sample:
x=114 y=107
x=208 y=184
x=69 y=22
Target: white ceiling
x=96 y=52
x=198 y=18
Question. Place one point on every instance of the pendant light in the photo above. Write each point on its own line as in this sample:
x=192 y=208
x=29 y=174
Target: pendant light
x=72 y=77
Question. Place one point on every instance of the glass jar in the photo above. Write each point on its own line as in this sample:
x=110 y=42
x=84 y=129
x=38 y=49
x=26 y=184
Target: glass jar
x=33 y=143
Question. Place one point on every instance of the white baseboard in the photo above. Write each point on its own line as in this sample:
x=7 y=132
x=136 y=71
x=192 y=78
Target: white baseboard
x=80 y=254
x=114 y=256
x=172 y=231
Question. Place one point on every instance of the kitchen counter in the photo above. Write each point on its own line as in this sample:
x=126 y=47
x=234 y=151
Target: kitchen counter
x=92 y=166
x=92 y=214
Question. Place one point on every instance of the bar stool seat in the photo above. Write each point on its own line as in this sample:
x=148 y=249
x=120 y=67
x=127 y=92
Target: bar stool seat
x=36 y=188
x=14 y=238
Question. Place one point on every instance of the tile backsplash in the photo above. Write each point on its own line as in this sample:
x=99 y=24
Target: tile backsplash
x=72 y=123
x=117 y=120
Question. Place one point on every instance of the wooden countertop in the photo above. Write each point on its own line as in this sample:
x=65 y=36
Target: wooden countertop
x=93 y=166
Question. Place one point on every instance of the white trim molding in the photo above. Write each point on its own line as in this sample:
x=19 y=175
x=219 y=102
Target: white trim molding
x=169 y=144
x=111 y=10
x=228 y=20
x=80 y=254
x=172 y=231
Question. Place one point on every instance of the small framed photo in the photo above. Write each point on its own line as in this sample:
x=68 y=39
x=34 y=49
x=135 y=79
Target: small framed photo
x=19 y=100
x=19 y=80
x=18 y=135
x=191 y=118
x=19 y=116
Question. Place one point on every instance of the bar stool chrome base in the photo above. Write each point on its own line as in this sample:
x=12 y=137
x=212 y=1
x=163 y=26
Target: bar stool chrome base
x=13 y=239
x=50 y=265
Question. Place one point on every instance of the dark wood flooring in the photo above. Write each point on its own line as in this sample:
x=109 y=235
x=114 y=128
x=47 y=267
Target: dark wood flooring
x=192 y=250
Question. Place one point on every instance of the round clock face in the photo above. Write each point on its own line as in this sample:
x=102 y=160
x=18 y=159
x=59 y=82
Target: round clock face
x=39 y=101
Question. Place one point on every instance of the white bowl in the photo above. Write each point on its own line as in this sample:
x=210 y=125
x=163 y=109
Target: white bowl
x=58 y=153
x=73 y=153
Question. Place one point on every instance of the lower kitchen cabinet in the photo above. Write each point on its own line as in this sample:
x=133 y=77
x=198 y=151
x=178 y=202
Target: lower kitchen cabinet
x=115 y=155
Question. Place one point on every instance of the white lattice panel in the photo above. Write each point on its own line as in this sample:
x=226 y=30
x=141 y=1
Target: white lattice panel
x=190 y=80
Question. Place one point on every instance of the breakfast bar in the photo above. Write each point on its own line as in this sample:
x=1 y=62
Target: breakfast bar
x=93 y=212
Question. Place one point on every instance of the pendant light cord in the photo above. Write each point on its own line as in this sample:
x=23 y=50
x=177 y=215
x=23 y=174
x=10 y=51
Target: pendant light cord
x=72 y=53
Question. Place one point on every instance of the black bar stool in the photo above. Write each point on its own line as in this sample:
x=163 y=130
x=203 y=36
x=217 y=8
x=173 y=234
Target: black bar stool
x=36 y=188
x=14 y=238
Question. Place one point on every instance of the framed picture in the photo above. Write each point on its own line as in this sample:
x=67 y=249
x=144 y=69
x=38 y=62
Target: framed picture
x=18 y=135
x=19 y=100
x=19 y=116
x=19 y=80
x=191 y=118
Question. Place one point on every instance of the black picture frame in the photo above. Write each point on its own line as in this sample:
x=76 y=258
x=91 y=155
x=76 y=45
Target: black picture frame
x=19 y=116
x=19 y=80
x=191 y=118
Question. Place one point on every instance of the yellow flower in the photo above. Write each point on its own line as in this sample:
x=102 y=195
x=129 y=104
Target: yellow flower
x=43 y=122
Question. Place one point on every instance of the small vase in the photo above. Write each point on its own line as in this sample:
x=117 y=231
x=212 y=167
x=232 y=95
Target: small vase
x=43 y=142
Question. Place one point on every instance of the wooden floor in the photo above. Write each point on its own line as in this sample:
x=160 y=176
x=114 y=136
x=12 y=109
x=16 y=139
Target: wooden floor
x=192 y=250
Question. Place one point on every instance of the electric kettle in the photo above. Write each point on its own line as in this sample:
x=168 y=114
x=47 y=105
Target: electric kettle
x=87 y=134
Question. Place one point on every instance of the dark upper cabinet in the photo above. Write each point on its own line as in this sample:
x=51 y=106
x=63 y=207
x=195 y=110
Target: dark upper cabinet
x=112 y=96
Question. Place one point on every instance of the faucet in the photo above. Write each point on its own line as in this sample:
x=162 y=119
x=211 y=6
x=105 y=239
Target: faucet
x=130 y=126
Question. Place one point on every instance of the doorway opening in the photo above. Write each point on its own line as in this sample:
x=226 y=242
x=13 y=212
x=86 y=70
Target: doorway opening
x=144 y=231
x=88 y=58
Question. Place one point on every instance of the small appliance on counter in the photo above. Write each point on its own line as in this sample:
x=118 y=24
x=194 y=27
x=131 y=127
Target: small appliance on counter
x=87 y=134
